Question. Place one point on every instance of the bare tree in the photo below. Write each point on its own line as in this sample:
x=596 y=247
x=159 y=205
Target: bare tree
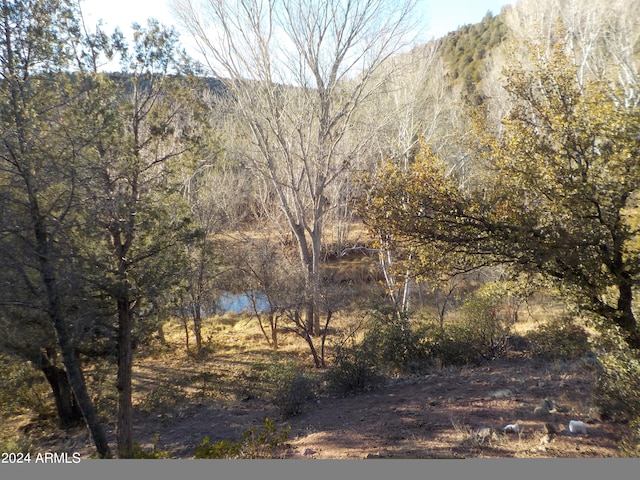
x=298 y=73
x=601 y=36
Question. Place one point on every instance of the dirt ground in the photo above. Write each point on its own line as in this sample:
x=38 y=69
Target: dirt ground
x=450 y=413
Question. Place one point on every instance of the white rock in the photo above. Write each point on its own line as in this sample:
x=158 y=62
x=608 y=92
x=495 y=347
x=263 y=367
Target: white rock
x=576 y=426
x=511 y=428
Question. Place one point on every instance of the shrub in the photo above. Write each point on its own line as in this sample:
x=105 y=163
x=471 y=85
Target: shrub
x=264 y=442
x=447 y=348
x=630 y=446
x=154 y=453
x=289 y=388
x=162 y=397
x=559 y=339
x=22 y=387
x=354 y=369
x=392 y=343
x=485 y=324
x=10 y=442
x=617 y=389
x=481 y=330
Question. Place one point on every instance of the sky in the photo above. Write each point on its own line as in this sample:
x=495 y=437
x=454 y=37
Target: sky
x=442 y=16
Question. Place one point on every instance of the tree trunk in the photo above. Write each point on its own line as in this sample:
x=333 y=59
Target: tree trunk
x=626 y=319
x=273 y=321
x=197 y=327
x=74 y=373
x=316 y=358
x=69 y=412
x=124 y=429
x=309 y=316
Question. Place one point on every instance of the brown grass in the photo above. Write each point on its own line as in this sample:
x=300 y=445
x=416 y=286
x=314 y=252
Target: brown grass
x=169 y=380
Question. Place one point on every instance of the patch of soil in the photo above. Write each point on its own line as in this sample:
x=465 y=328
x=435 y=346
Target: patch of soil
x=451 y=413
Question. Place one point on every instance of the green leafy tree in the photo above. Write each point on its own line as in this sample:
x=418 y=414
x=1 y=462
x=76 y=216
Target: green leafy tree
x=40 y=155
x=137 y=221
x=552 y=193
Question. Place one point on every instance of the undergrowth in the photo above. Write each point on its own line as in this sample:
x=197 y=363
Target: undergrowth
x=266 y=441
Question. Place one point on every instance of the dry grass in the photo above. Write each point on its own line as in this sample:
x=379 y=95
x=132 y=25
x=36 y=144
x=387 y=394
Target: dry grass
x=231 y=368
x=234 y=355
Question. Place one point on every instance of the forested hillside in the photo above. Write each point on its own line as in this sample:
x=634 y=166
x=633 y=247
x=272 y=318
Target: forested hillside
x=466 y=49
x=319 y=207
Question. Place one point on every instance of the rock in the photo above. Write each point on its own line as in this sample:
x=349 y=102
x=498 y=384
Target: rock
x=577 y=427
x=512 y=428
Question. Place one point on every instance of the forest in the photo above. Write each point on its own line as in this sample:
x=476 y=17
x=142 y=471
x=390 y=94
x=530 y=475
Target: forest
x=321 y=209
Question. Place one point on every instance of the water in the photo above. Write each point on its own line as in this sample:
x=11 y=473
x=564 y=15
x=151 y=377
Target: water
x=242 y=302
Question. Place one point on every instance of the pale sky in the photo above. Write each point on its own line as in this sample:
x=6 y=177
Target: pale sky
x=442 y=16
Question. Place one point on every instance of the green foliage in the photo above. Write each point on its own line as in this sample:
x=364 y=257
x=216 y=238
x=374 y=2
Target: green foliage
x=288 y=387
x=15 y=443
x=551 y=200
x=630 y=445
x=221 y=449
x=465 y=51
x=560 y=338
x=162 y=397
x=481 y=330
x=395 y=344
x=354 y=369
x=154 y=453
x=445 y=347
x=285 y=385
x=22 y=388
x=485 y=323
x=264 y=442
x=617 y=390
x=391 y=344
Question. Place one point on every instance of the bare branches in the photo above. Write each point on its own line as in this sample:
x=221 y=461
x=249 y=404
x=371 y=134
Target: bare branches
x=299 y=72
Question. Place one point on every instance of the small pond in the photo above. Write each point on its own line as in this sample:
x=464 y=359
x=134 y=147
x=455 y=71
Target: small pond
x=242 y=302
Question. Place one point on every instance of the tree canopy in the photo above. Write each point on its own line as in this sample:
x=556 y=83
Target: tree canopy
x=551 y=193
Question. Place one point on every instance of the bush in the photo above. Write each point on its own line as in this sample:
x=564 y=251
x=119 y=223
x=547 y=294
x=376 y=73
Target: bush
x=392 y=343
x=630 y=446
x=289 y=388
x=481 y=330
x=10 y=442
x=264 y=442
x=446 y=347
x=154 y=453
x=485 y=324
x=22 y=387
x=354 y=370
x=162 y=397
x=559 y=339
x=617 y=389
